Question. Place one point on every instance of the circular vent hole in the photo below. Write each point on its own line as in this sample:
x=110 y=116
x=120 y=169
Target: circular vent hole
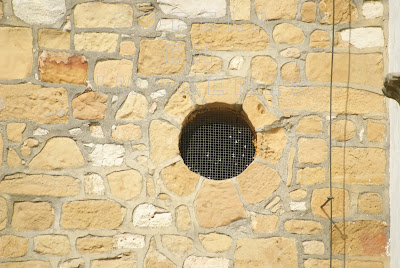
x=217 y=144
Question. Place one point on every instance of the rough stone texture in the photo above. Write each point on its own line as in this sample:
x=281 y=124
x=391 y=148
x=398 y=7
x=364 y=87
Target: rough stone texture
x=308 y=11
x=179 y=105
x=102 y=15
x=164 y=141
x=313 y=247
x=127 y=48
x=32 y=216
x=90 y=105
x=200 y=262
x=206 y=64
x=290 y=72
x=310 y=125
x=319 y=38
x=264 y=224
x=291 y=52
x=364 y=37
x=363 y=238
x=121 y=261
x=257 y=113
x=179 y=179
x=376 y=132
x=364 y=264
x=286 y=33
x=99 y=42
x=363 y=165
x=221 y=91
x=125 y=184
x=150 y=216
x=310 y=176
x=114 y=73
x=93 y=244
x=129 y=241
x=372 y=9
x=3 y=213
x=273 y=10
x=343 y=130
x=270 y=252
x=107 y=155
x=94 y=184
x=13 y=159
x=312 y=151
x=177 y=243
x=223 y=37
x=345 y=11
x=161 y=57
x=258 y=182
x=58 y=153
x=54 y=39
x=215 y=242
x=218 y=204
x=154 y=258
x=41 y=185
x=264 y=69
x=15 y=131
x=128 y=132
x=370 y=203
x=298 y=194
x=303 y=227
x=13 y=246
x=1 y=10
x=171 y=25
x=270 y=144
x=183 y=220
x=26 y=264
x=27 y=145
x=134 y=108
x=340 y=203
x=92 y=215
x=39 y=12
x=51 y=244
x=310 y=263
x=364 y=69
x=193 y=9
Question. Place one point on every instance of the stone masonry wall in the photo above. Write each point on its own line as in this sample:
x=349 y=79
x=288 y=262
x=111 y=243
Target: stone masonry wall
x=93 y=95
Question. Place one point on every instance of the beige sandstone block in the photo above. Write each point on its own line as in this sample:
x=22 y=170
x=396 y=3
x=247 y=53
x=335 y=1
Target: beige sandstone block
x=221 y=91
x=291 y=52
x=257 y=113
x=274 y=10
x=311 y=263
x=90 y=105
x=150 y=189
x=161 y=57
x=125 y=184
x=32 y=216
x=15 y=131
x=154 y=258
x=298 y=194
x=127 y=260
x=376 y=132
x=52 y=244
x=33 y=102
x=27 y=146
x=290 y=72
x=15 y=52
x=134 y=108
x=62 y=68
x=54 y=39
x=364 y=264
x=3 y=213
x=215 y=242
x=40 y=185
x=340 y=203
x=127 y=48
x=13 y=159
x=92 y=215
x=26 y=264
x=98 y=42
x=310 y=176
x=370 y=203
x=94 y=244
x=240 y=9
x=1 y=10
x=206 y=64
x=312 y=151
x=179 y=179
x=218 y=204
x=345 y=11
x=164 y=141
x=310 y=125
x=319 y=38
x=179 y=106
x=58 y=153
x=264 y=224
x=177 y=243
x=303 y=227
x=343 y=130
x=264 y=69
x=183 y=220
x=270 y=144
x=314 y=247
x=147 y=21
x=308 y=11
x=258 y=182
x=286 y=33
x=128 y=132
x=226 y=37
x=12 y=246
x=114 y=73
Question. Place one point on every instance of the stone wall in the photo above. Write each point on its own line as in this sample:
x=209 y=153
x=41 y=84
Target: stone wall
x=92 y=99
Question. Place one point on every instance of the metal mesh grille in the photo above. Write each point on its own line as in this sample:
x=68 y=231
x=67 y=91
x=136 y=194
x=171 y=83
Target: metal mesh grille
x=217 y=144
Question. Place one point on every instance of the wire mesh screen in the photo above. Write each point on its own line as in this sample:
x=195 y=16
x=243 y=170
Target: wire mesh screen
x=217 y=144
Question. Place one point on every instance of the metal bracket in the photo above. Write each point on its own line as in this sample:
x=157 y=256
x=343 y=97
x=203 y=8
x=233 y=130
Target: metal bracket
x=391 y=87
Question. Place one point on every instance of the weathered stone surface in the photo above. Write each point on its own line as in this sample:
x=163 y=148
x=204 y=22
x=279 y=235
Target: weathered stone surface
x=223 y=37
x=310 y=125
x=3 y=213
x=218 y=204
x=314 y=247
x=99 y=42
x=54 y=39
x=32 y=216
x=257 y=113
x=183 y=220
x=58 y=153
x=94 y=184
x=52 y=244
x=311 y=263
x=372 y=9
x=298 y=194
x=92 y=215
x=215 y=242
x=15 y=131
x=41 y=185
x=114 y=73
x=343 y=130
x=364 y=37
x=206 y=64
x=127 y=48
x=90 y=105
x=266 y=252
x=366 y=69
x=154 y=258
x=171 y=25
x=15 y=53
x=319 y=38
x=298 y=206
x=370 y=203
x=179 y=105
x=26 y=264
x=291 y=52
x=363 y=238
x=264 y=69
x=161 y=57
x=273 y=10
x=193 y=9
x=290 y=72
x=13 y=246
x=264 y=224
x=303 y=227
x=129 y=241
x=345 y=11
x=240 y=9
x=286 y=33
x=223 y=91
x=270 y=144
x=134 y=108
x=107 y=155
x=102 y=15
x=312 y=151
x=236 y=63
x=1 y=149
x=308 y=11
x=13 y=159
x=362 y=165
x=177 y=243
x=179 y=179
x=147 y=21
x=164 y=141
x=258 y=182
x=127 y=260
x=125 y=184
x=364 y=264
x=310 y=176
x=39 y=12
x=128 y=132
x=200 y=262
x=72 y=263
x=376 y=132
x=150 y=216
x=94 y=244
x=27 y=145
x=340 y=203
x=1 y=10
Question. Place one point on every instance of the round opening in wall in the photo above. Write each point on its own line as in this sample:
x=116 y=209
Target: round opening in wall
x=217 y=143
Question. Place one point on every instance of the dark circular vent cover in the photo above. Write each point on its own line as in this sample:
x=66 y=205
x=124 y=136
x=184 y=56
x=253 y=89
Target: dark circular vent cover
x=217 y=144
